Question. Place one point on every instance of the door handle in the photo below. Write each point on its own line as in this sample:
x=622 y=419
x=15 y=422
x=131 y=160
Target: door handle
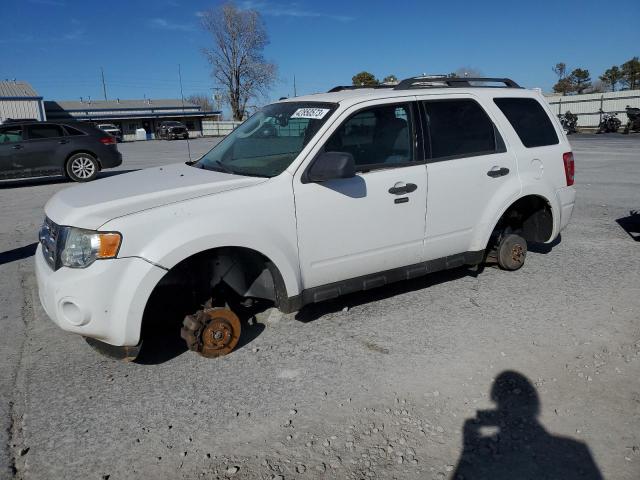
x=17 y=147
x=402 y=188
x=62 y=142
x=498 y=172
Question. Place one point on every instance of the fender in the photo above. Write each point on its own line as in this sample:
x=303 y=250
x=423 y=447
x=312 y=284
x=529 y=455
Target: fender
x=261 y=218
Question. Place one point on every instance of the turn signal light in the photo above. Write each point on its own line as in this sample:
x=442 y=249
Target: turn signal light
x=109 y=244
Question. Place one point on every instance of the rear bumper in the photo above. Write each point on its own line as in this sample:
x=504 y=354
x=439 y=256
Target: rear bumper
x=105 y=301
x=110 y=157
x=566 y=200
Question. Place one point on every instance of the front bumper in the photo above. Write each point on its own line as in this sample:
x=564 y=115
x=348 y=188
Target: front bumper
x=104 y=301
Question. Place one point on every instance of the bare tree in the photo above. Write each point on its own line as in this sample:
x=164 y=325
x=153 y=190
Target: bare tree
x=201 y=99
x=239 y=38
x=560 y=69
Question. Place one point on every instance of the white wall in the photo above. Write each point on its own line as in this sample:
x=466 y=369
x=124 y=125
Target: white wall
x=587 y=106
x=20 y=109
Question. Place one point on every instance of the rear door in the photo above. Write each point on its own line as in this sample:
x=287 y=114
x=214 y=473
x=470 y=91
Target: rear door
x=468 y=165
x=44 y=145
x=10 y=143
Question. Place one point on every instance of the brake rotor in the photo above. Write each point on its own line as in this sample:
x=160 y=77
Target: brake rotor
x=221 y=332
x=518 y=253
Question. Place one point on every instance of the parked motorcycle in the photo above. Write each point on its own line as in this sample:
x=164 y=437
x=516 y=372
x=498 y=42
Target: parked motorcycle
x=569 y=122
x=610 y=123
x=633 y=123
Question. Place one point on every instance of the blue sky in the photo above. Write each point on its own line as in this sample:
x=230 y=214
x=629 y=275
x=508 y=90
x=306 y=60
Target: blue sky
x=59 y=45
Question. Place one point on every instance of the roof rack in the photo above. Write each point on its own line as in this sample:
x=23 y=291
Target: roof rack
x=439 y=82
x=436 y=82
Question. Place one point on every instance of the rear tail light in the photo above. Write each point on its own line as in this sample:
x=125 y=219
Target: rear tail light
x=108 y=140
x=569 y=167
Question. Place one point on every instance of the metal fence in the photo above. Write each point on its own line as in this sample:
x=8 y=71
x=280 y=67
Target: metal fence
x=588 y=106
x=212 y=128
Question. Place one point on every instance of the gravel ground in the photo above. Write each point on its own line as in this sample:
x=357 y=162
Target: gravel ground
x=490 y=374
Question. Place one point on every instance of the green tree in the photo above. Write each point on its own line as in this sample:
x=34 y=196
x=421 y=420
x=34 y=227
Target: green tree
x=580 y=79
x=563 y=86
x=390 y=79
x=611 y=77
x=364 y=79
x=631 y=73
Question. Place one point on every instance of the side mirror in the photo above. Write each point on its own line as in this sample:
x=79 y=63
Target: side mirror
x=330 y=166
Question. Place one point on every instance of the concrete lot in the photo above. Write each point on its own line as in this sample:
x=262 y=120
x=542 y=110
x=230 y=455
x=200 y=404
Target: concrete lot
x=375 y=385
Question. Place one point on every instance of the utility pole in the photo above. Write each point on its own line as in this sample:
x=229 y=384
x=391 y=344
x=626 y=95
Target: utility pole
x=295 y=92
x=104 y=86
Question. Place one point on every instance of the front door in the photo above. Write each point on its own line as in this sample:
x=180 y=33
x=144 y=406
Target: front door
x=376 y=220
x=10 y=144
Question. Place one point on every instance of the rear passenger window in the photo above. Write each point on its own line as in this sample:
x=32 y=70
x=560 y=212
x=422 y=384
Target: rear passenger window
x=529 y=120
x=43 y=131
x=73 y=132
x=460 y=128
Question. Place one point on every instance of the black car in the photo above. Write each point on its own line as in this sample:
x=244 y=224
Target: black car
x=171 y=130
x=77 y=150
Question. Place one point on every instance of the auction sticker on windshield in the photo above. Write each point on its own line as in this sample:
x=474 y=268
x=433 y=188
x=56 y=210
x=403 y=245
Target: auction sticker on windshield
x=312 y=113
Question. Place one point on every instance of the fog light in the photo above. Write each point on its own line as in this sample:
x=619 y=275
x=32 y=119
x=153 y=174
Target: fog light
x=73 y=314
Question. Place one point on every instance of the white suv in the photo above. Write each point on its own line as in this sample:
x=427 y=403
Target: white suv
x=311 y=198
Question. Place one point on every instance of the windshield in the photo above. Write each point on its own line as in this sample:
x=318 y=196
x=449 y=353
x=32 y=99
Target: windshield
x=172 y=124
x=267 y=143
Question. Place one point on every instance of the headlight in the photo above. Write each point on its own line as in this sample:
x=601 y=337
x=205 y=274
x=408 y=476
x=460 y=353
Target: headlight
x=83 y=247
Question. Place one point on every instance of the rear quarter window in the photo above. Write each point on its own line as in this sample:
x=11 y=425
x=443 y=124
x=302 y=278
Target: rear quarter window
x=530 y=121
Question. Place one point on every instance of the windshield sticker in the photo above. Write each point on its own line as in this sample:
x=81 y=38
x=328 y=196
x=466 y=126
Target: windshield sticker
x=312 y=113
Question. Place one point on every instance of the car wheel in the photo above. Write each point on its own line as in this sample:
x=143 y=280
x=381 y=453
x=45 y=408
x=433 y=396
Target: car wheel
x=82 y=167
x=511 y=252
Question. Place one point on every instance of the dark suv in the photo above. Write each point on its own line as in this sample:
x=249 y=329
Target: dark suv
x=77 y=150
x=171 y=130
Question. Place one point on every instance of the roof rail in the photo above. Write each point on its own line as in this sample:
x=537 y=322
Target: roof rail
x=439 y=82
x=339 y=88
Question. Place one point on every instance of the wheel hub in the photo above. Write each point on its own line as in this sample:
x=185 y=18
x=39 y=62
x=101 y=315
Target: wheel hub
x=221 y=333
x=517 y=253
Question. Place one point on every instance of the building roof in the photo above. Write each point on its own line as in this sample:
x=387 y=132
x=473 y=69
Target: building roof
x=102 y=105
x=16 y=89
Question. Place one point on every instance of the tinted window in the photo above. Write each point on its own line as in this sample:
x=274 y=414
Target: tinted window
x=44 y=131
x=376 y=137
x=10 y=134
x=460 y=128
x=529 y=120
x=73 y=131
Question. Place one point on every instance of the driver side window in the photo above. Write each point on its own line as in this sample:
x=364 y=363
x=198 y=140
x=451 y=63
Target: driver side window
x=378 y=137
x=10 y=134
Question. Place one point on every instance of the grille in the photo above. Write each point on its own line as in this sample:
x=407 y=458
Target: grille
x=50 y=239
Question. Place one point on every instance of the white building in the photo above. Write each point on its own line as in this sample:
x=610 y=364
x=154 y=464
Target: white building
x=19 y=100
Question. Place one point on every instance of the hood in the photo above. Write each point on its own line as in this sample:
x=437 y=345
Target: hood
x=92 y=204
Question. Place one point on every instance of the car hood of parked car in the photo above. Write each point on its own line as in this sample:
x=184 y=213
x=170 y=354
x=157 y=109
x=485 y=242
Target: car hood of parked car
x=92 y=204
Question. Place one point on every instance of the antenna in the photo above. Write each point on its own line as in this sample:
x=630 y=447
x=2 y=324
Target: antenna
x=295 y=93
x=183 y=112
x=104 y=87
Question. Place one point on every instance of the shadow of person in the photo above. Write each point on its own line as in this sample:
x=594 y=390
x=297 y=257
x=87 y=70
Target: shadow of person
x=510 y=443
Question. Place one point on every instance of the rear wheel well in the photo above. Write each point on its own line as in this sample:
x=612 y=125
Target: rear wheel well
x=530 y=217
